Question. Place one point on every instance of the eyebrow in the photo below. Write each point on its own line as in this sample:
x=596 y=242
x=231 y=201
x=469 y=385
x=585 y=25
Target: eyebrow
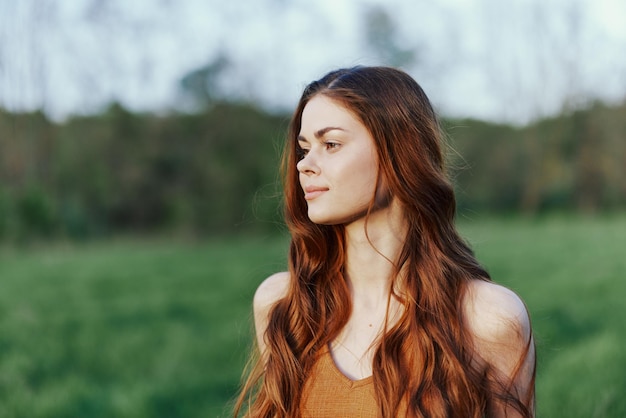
x=320 y=133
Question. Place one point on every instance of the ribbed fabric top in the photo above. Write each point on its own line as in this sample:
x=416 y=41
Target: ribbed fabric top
x=328 y=393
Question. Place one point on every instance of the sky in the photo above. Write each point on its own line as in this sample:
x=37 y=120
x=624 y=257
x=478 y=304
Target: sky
x=512 y=61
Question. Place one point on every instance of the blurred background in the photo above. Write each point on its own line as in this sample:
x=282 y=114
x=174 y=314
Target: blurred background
x=140 y=200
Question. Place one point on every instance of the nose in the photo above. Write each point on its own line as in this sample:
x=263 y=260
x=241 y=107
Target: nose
x=308 y=165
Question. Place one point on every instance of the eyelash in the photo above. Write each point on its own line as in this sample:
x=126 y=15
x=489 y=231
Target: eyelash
x=302 y=152
x=328 y=145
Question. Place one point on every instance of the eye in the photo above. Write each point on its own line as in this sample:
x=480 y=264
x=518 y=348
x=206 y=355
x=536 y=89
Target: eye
x=331 y=145
x=301 y=152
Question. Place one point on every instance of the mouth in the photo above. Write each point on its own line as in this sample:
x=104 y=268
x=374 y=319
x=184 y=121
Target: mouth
x=312 y=192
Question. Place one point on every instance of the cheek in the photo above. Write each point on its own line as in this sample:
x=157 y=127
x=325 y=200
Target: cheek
x=365 y=176
x=370 y=171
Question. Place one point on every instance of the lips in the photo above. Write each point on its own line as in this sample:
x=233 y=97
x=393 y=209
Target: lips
x=311 y=192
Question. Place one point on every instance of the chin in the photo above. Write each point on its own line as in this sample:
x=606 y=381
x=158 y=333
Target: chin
x=320 y=220
x=336 y=219
x=323 y=218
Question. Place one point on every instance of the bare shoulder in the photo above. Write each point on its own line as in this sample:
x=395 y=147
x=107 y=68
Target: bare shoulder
x=495 y=314
x=270 y=291
x=502 y=341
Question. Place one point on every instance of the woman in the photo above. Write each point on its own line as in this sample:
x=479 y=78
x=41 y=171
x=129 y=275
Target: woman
x=384 y=311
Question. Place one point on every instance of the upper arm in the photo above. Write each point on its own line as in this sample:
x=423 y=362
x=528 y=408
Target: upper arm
x=502 y=338
x=270 y=291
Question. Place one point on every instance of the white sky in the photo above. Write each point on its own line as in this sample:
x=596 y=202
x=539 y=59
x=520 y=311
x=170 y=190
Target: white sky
x=508 y=60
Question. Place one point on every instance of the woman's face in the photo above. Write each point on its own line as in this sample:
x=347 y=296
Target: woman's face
x=338 y=168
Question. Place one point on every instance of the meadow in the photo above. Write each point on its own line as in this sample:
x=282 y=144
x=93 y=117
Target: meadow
x=161 y=328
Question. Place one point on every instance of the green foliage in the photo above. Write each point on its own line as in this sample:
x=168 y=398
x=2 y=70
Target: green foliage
x=204 y=173
x=571 y=162
x=35 y=213
x=5 y=213
x=127 y=329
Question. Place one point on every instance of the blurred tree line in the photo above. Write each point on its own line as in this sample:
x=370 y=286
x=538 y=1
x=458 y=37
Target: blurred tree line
x=204 y=173
x=572 y=162
x=216 y=171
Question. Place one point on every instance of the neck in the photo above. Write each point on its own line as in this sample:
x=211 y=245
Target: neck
x=372 y=249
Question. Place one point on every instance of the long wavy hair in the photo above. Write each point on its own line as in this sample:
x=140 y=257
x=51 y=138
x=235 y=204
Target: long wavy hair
x=425 y=359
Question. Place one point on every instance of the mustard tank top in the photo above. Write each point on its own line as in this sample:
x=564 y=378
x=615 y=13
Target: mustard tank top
x=328 y=393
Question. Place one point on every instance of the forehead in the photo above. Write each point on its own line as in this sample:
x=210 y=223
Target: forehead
x=322 y=112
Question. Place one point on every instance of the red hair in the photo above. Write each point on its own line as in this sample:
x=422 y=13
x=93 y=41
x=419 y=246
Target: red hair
x=436 y=266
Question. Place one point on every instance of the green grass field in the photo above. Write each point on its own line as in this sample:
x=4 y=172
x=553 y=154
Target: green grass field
x=161 y=329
